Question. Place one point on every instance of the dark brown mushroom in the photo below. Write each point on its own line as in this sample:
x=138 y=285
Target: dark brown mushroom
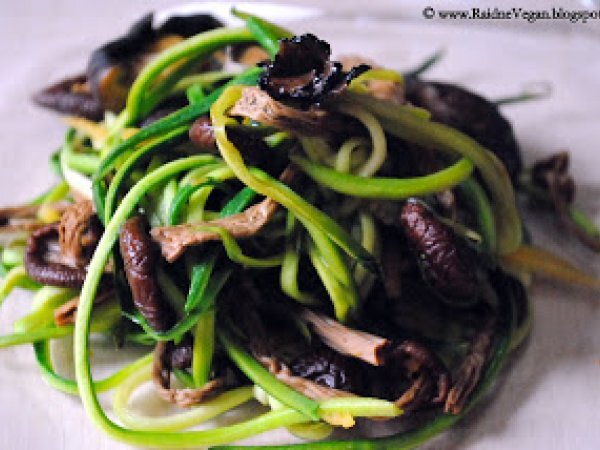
x=551 y=175
x=471 y=369
x=57 y=254
x=79 y=231
x=161 y=376
x=114 y=66
x=470 y=113
x=416 y=359
x=317 y=390
x=140 y=256
x=52 y=273
x=445 y=262
x=329 y=368
x=71 y=96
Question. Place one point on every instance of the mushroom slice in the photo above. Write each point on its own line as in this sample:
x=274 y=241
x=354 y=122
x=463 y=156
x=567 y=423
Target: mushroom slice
x=174 y=240
x=347 y=341
x=261 y=107
x=470 y=113
x=161 y=376
x=471 y=369
x=40 y=265
x=432 y=379
x=71 y=96
x=553 y=177
x=140 y=257
x=445 y=261
x=79 y=231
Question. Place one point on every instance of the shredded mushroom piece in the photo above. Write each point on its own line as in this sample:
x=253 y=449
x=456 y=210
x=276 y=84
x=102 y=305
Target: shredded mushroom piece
x=181 y=397
x=471 y=369
x=79 y=229
x=174 y=240
x=261 y=107
x=347 y=341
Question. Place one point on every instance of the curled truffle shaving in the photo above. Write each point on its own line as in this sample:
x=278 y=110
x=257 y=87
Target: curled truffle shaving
x=432 y=379
x=174 y=240
x=311 y=389
x=140 y=257
x=79 y=231
x=71 y=96
x=161 y=376
x=303 y=73
x=553 y=177
x=445 y=264
x=347 y=341
x=259 y=106
x=470 y=371
x=39 y=267
x=470 y=113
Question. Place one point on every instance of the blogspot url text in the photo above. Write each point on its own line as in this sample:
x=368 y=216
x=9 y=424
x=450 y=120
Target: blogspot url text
x=530 y=16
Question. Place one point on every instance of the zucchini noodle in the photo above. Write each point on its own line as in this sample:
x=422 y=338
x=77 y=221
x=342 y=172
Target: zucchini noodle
x=379 y=144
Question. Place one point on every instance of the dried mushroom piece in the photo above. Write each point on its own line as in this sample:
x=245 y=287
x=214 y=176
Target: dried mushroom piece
x=315 y=389
x=184 y=397
x=329 y=368
x=71 y=96
x=174 y=240
x=79 y=231
x=431 y=380
x=445 y=262
x=57 y=254
x=303 y=73
x=470 y=113
x=44 y=264
x=261 y=107
x=114 y=66
x=470 y=371
x=348 y=341
x=140 y=257
x=551 y=176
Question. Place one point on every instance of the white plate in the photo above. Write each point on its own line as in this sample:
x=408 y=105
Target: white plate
x=550 y=395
